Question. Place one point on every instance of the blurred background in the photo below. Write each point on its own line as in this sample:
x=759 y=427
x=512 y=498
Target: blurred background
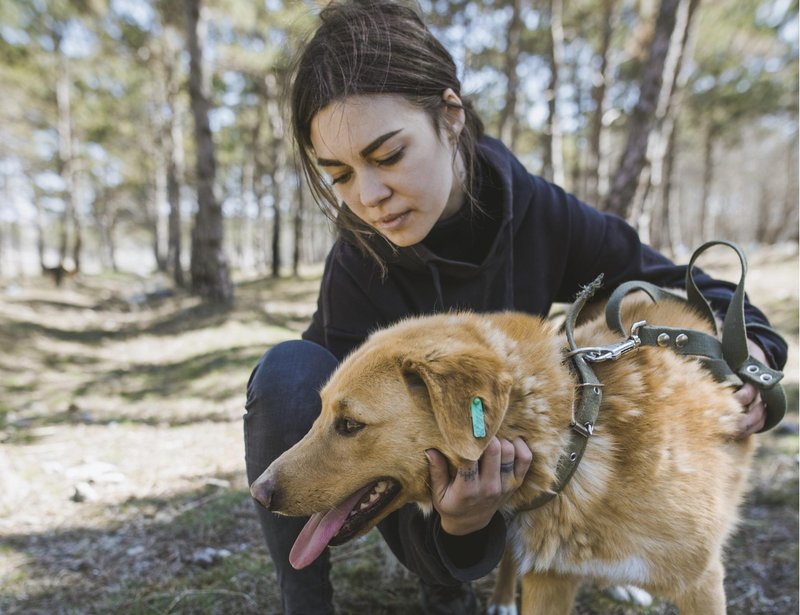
x=679 y=115
x=156 y=239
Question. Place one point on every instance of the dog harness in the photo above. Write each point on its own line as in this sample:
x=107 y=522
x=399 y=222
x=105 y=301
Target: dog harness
x=728 y=359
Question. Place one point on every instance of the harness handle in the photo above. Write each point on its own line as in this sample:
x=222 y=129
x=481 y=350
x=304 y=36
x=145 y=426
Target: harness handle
x=729 y=360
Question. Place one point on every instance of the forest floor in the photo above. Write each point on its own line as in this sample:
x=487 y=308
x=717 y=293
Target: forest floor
x=122 y=485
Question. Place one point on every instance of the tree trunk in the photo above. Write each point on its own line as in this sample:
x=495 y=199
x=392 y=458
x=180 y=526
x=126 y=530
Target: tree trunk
x=66 y=158
x=646 y=203
x=597 y=181
x=707 y=222
x=175 y=160
x=279 y=164
x=788 y=231
x=669 y=233
x=209 y=268
x=159 y=154
x=508 y=126
x=299 y=212
x=554 y=149
x=655 y=88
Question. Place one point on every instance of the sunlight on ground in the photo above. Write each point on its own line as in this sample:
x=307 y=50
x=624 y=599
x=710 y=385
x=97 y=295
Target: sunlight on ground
x=121 y=450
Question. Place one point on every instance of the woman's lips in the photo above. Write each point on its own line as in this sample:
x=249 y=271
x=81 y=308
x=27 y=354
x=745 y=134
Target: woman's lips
x=393 y=221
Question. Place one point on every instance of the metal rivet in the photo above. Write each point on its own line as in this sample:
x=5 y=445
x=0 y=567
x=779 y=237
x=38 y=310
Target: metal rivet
x=752 y=369
x=681 y=340
x=596 y=390
x=573 y=456
x=766 y=378
x=662 y=340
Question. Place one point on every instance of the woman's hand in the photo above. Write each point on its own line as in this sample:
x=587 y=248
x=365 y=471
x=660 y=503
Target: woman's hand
x=468 y=499
x=755 y=411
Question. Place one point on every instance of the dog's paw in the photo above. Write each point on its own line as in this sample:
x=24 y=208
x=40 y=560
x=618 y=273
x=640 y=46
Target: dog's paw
x=501 y=609
x=629 y=593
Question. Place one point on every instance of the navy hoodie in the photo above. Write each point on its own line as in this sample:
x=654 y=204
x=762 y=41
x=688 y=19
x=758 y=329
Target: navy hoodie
x=532 y=245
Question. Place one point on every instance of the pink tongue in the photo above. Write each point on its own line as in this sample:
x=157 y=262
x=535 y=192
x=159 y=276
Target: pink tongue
x=319 y=530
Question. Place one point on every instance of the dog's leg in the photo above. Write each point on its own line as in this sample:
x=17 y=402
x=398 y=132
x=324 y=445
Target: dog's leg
x=706 y=596
x=553 y=594
x=503 y=600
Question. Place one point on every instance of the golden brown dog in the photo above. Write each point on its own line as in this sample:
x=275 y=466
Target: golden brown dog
x=651 y=503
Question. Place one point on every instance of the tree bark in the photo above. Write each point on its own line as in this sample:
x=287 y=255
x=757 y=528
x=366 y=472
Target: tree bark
x=279 y=164
x=175 y=160
x=707 y=220
x=508 y=126
x=597 y=179
x=299 y=213
x=209 y=267
x=66 y=161
x=554 y=149
x=646 y=203
x=652 y=92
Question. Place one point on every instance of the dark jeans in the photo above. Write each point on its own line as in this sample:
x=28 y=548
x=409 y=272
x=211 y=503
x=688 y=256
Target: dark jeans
x=282 y=403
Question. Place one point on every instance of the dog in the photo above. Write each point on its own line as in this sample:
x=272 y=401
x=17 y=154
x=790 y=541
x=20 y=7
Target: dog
x=651 y=503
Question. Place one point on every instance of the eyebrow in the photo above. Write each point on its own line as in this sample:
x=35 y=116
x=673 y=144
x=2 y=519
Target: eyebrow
x=327 y=162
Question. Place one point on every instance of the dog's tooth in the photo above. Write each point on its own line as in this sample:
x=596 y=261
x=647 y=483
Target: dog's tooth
x=380 y=487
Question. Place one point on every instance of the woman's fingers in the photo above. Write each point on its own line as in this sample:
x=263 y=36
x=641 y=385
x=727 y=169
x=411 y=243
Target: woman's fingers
x=523 y=457
x=440 y=473
x=755 y=411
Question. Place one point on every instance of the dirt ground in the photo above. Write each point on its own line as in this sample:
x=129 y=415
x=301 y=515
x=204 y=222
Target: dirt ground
x=122 y=484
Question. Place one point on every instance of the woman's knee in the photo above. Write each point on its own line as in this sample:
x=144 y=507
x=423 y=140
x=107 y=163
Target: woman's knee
x=290 y=365
x=284 y=386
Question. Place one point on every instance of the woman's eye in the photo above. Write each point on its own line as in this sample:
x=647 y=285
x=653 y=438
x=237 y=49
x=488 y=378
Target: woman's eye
x=346 y=427
x=341 y=179
x=392 y=158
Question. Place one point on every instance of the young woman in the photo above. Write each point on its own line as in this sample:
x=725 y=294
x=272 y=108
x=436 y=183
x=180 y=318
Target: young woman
x=432 y=216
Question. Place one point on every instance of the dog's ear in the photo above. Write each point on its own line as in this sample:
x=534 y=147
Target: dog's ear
x=452 y=380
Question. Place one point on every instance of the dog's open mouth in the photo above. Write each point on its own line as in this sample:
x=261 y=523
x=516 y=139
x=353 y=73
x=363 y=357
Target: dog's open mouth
x=339 y=525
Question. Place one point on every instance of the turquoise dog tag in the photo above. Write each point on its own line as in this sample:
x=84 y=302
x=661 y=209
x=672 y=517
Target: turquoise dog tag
x=478 y=425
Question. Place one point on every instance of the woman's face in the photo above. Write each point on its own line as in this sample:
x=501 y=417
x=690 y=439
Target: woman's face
x=387 y=162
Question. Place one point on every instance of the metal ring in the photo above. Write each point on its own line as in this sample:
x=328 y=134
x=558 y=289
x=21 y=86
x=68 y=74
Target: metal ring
x=765 y=378
x=573 y=456
x=752 y=369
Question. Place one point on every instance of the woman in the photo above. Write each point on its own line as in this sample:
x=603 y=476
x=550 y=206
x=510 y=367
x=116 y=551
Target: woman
x=432 y=216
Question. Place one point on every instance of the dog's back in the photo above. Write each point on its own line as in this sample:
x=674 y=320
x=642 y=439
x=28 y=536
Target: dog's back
x=656 y=494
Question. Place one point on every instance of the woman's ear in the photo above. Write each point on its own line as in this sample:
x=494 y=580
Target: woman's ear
x=454 y=113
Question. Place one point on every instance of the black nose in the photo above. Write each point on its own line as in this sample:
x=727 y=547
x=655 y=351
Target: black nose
x=263 y=490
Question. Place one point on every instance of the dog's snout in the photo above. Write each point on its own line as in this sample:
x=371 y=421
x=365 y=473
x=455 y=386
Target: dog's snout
x=263 y=491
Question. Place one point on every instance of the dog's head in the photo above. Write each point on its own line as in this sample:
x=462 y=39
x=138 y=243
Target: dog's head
x=408 y=389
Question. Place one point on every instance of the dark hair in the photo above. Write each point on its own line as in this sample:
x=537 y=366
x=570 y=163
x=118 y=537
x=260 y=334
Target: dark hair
x=373 y=47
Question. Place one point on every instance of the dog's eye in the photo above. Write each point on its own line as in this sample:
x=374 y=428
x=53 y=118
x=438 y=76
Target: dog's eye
x=346 y=427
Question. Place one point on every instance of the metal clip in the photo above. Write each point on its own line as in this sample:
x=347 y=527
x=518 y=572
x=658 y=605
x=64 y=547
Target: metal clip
x=585 y=430
x=615 y=351
x=596 y=354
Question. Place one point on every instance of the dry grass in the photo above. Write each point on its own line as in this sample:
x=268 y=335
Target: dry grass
x=137 y=402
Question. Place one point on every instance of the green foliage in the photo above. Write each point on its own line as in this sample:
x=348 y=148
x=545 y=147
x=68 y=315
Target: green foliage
x=120 y=57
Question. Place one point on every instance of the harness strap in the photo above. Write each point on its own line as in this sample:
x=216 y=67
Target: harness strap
x=728 y=360
x=584 y=409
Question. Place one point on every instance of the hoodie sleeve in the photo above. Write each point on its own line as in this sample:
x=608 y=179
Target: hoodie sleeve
x=422 y=546
x=589 y=242
x=345 y=313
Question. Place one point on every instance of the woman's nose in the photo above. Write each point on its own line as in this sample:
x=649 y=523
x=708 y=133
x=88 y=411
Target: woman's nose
x=372 y=189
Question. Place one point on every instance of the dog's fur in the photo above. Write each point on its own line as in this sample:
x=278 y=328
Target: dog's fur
x=651 y=504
